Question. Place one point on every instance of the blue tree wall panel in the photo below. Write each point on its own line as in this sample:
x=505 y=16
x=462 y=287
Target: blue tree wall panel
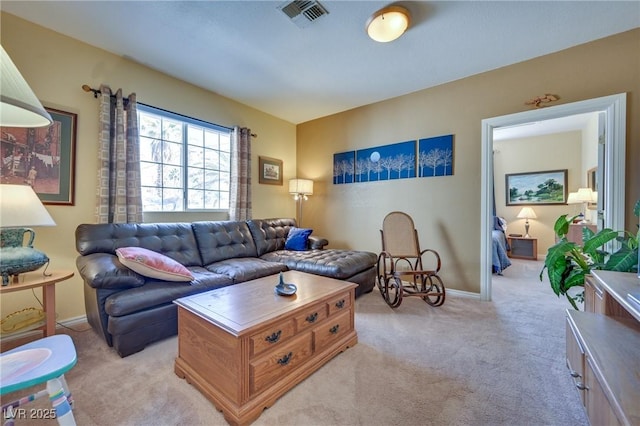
x=435 y=156
x=395 y=161
x=344 y=167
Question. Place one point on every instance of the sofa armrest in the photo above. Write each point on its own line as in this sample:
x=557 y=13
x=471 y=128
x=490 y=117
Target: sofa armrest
x=104 y=270
x=316 y=243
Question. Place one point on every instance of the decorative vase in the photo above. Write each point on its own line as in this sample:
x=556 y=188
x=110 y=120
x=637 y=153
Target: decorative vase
x=285 y=289
x=16 y=258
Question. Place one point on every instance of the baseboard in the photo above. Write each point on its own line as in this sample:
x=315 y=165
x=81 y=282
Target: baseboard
x=461 y=293
x=71 y=322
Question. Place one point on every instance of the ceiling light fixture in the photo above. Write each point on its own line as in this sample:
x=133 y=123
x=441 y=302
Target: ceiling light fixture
x=388 y=23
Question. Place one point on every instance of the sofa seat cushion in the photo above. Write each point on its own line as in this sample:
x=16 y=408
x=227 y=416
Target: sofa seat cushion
x=246 y=268
x=340 y=264
x=156 y=293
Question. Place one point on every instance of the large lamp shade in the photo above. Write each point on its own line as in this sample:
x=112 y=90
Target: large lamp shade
x=19 y=106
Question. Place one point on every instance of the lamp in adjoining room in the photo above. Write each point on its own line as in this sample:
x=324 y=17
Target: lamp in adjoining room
x=527 y=213
x=19 y=106
x=388 y=23
x=586 y=196
x=20 y=209
x=572 y=199
x=300 y=189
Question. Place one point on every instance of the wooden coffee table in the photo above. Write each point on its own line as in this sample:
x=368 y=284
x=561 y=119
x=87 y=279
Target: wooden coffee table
x=243 y=346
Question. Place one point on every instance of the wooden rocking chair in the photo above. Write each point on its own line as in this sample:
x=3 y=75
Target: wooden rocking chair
x=401 y=271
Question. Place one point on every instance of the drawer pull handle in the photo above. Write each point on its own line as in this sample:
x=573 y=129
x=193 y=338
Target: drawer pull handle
x=312 y=318
x=285 y=359
x=334 y=329
x=274 y=337
x=340 y=304
x=574 y=374
x=581 y=386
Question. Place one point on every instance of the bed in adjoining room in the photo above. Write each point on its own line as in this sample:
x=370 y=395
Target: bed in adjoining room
x=500 y=260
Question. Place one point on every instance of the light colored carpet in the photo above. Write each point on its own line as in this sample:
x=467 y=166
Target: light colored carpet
x=465 y=363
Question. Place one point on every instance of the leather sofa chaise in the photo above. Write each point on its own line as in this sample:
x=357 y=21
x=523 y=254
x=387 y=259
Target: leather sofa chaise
x=130 y=310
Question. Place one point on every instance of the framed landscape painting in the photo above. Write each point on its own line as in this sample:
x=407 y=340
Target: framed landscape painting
x=270 y=171
x=536 y=188
x=43 y=157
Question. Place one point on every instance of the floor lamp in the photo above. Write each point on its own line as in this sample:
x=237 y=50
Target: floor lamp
x=300 y=189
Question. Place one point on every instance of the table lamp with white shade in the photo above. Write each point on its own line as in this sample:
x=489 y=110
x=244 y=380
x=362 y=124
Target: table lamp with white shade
x=586 y=196
x=527 y=213
x=20 y=207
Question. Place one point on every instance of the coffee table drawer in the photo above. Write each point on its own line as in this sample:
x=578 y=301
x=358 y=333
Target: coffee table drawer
x=279 y=363
x=268 y=339
x=311 y=317
x=341 y=303
x=331 y=330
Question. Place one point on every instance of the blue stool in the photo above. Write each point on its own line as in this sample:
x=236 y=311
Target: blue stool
x=45 y=360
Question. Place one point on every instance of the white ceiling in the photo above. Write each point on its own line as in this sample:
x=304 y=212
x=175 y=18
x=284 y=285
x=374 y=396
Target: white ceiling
x=251 y=52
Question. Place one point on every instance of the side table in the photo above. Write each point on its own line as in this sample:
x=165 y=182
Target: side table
x=48 y=283
x=523 y=248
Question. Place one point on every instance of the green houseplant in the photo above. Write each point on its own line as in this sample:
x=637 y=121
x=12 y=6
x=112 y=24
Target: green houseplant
x=567 y=263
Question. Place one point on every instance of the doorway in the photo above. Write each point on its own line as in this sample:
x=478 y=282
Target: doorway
x=613 y=171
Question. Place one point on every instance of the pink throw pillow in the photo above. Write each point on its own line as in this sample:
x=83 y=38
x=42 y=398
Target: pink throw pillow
x=152 y=264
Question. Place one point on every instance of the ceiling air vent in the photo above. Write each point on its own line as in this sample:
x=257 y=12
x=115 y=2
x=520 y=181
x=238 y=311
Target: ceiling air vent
x=302 y=12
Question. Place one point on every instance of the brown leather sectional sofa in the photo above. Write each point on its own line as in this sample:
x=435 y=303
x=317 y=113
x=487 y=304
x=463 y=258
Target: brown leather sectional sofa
x=130 y=311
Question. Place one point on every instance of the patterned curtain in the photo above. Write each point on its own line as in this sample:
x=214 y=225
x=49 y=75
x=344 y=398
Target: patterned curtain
x=240 y=197
x=118 y=197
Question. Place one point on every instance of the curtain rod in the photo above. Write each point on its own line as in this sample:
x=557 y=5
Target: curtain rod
x=96 y=92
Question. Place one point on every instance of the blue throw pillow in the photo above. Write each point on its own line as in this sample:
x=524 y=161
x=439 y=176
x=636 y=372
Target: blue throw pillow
x=297 y=239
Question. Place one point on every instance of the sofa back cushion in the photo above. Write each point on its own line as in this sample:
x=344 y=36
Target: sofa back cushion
x=223 y=240
x=270 y=234
x=175 y=240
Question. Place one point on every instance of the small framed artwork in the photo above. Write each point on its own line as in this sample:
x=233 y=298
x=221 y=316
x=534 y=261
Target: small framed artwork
x=43 y=157
x=270 y=171
x=536 y=188
x=592 y=182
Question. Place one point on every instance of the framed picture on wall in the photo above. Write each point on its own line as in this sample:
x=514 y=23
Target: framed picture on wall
x=592 y=182
x=536 y=188
x=43 y=157
x=270 y=171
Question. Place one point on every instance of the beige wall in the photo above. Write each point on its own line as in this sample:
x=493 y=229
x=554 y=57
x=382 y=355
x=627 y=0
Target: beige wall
x=447 y=209
x=56 y=67
x=531 y=155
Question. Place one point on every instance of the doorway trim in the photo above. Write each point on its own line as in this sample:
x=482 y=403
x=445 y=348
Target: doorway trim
x=615 y=145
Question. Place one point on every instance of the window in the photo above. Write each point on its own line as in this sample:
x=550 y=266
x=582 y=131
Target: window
x=185 y=164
